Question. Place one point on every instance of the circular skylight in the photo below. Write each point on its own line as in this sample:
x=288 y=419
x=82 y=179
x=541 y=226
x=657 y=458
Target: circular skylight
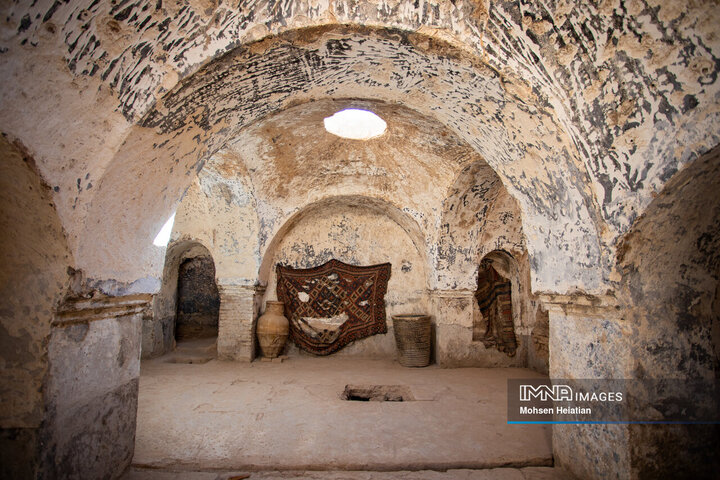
x=355 y=124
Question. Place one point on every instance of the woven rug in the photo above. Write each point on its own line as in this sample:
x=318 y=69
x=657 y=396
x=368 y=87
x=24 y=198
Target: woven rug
x=334 y=304
x=495 y=302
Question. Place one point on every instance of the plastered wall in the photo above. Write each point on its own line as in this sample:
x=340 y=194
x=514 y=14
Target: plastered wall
x=584 y=111
x=359 y=235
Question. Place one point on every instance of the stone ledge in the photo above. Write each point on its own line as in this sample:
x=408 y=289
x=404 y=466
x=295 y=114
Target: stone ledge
x=84 y=310
x=462 y=293
x=580 y=303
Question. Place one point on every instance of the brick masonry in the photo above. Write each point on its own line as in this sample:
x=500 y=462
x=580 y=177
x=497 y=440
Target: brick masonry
x=236 y=323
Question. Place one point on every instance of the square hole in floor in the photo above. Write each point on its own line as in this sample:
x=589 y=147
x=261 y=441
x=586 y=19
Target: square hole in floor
x=377 y=393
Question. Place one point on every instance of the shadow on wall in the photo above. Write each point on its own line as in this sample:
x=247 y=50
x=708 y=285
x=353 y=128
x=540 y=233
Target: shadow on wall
x=670 y=262
x=70 y=356
x=188 y=299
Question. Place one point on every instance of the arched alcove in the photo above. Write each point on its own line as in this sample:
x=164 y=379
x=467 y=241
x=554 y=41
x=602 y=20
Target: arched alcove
x=480 y=220
x=160 y=332
x=359 y=231
x=670 y=262
x=198 y=301
x=498 y=314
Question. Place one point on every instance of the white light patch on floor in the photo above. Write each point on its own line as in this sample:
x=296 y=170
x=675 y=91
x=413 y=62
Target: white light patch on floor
x=355 y=124
x=163 y=237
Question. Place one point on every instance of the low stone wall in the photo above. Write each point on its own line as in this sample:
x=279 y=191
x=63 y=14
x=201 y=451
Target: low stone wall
x=588 y=340
x=91 y=395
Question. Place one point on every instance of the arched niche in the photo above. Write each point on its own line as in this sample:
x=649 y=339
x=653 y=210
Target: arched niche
x=360 y=231
x=499 y=281
x=670 y=265
x=159 y=332
x=479 y=216
x=480 y=220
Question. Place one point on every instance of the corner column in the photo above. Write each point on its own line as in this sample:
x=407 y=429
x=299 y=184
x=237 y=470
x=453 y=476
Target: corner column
x=236 y=322
x=589 y=340
x=452 y=316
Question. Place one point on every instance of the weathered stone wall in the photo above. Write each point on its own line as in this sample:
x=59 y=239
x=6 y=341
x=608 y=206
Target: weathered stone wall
x=538 y=344
x=670 y=261
x=34 y=258
x=219 y=210
x=70 y=369
x=294 y=163
x=557 y=64
x=92 y=386
x=338 y=72
x=589 y=340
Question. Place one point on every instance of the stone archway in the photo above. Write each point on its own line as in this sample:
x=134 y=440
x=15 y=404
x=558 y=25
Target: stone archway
x=360 y=231
x=198 y=302
x=178 y=141
x=670 y=261
x=160 y=330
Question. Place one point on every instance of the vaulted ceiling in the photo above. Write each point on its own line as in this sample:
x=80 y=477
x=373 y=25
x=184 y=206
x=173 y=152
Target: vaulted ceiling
x=583 y=111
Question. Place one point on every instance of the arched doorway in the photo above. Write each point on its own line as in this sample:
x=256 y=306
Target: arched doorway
x=187 y=306
x=198 y=302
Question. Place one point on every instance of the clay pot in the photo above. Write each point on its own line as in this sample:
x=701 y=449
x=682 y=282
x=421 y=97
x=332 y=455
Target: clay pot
x=272 y=329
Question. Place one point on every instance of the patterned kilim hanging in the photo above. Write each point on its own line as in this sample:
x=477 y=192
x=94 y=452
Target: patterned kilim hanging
x=494 y=300
x=334 y=304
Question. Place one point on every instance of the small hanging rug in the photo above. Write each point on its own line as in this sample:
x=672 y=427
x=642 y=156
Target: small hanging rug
x=494 y=299
x=334 y=304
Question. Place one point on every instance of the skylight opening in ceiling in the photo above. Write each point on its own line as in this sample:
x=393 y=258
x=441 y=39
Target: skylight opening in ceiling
x=163 y=236
x=355 y=124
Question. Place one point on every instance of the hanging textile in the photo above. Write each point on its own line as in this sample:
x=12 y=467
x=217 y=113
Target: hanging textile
x=494 y=299
x=333 y=304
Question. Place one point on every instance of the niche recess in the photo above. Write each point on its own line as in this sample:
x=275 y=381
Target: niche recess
x=495 y=327
x=198 y=301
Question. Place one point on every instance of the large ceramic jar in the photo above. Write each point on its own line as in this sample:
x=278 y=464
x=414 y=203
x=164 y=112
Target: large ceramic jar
x=272 y=329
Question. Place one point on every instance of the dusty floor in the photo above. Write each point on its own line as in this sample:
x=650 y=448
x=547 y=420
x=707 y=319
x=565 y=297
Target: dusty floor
x=527 y=473
x=220 y=417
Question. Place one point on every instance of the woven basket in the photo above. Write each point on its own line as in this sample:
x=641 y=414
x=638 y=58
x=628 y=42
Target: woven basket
x=412 y=337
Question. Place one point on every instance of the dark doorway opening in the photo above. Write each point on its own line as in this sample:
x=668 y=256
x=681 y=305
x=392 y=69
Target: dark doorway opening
x=198 y=303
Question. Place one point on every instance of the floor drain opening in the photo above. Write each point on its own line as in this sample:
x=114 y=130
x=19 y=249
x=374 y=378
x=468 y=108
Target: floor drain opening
x=377 y=393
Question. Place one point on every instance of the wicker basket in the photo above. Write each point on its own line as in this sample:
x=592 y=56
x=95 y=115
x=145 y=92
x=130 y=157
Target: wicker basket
x=412 y=337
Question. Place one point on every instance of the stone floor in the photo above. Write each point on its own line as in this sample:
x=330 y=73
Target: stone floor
x=196 y=350
x=527 y=473
x=216 y=420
